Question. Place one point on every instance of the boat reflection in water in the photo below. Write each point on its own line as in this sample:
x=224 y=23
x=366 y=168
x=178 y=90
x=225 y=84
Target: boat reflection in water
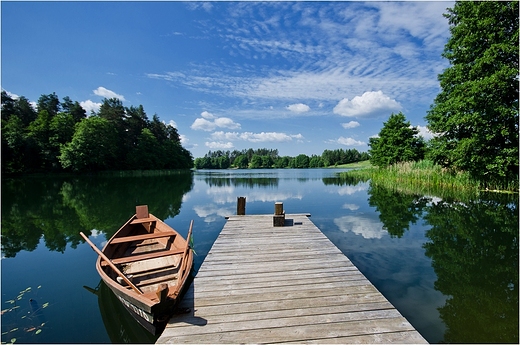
x=121 y=327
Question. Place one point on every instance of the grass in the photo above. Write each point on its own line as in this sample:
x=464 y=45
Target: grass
x=356 y=165
x=423 y=177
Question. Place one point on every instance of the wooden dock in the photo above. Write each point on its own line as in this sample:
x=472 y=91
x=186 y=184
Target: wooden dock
x=266 y=284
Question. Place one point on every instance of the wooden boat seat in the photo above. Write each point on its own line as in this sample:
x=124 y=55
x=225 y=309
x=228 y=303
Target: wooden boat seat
x=145 y=256
x=143 y=220
x=142 y=237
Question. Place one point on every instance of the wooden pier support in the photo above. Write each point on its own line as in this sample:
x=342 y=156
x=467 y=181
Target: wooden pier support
x=241 y=206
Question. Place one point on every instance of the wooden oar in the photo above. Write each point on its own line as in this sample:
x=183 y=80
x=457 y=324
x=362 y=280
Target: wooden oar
x=104 y=257
x=186 y=253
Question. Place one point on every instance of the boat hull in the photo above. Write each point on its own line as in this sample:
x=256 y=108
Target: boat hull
x=147 y=265
x=152 y=322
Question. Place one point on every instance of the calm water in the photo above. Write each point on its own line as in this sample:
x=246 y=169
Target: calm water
x=449 y=266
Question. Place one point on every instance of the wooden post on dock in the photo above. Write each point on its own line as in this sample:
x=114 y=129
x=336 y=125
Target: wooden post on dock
x=241 y=206
x=279 y=214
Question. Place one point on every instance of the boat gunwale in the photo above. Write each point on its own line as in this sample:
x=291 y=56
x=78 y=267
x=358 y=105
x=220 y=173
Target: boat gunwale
x=139 y=300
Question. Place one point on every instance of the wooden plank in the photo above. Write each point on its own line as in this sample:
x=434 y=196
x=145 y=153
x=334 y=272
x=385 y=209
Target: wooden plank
x=261 y=284
x=231 y=317
x=143 y=220
x=143 y=237
x=146 y=256
x=298 y=333
x=270 y=306
x=287 y=320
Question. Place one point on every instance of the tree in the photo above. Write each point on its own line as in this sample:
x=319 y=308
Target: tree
x=147 y=153
x=15 y=146
x=241 y=162
x=301 y=161
x=20 y=107
x=50 y=103
x=267 y=161
x=93 y=146
x=475 y=116
x=73 y=108
x=397 y=142
x=39 y=131
x=315 y=162
x=256 y=162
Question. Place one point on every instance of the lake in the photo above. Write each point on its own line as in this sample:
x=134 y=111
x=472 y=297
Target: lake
x=450 y=266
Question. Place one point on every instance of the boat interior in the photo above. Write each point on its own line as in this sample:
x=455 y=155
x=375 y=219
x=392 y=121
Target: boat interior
x=147 y=251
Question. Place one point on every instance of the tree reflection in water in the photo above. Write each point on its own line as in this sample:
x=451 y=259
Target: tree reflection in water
x=59 y=208
x=473 y=245
x=474 y=250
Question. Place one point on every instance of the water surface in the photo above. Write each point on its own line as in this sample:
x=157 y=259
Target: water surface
x=449 y=266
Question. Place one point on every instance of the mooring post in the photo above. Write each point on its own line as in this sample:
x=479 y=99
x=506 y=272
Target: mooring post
x=241 y=205
x=279 y=214
x=278 y=208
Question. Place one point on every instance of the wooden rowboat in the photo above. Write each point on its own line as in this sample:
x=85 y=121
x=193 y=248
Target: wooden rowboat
x=146 y=264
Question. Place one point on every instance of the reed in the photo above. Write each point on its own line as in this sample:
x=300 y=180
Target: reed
x=425 y=177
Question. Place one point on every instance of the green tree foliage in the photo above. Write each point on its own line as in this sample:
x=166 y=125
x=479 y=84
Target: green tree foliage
x=256 y=162
x=39 y=131
x=397 y=142
x=316 y=162
x=241 y=162
x=60 y=136
x=475 y=115
x=282 y=162
x=301 y=161
x=268 y=158
x=49 y=103
x=73 y=108
x=93 y=146
x=341 y=156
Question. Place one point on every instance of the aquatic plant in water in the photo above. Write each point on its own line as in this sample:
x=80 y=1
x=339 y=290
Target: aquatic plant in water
x=23 y=316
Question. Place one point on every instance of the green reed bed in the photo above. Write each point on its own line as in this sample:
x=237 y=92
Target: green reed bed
x=425 y=177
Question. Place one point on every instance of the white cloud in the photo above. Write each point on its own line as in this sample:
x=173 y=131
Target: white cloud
x=203 y=125
x=298 y=108
x=349 y=190
x=103 y=92
x=223 y=140
x=90 y=106
x=216 y=145
x=348 y=48
x=221 y=135
x=352 y=207
x=211 y=212
x=266 y=137
x=370 y=104
x=173 y=123
x=210 y=122
x=256 y=137
x=425 y=132
x=12 y=95
x=207 y=115
x=205 y=5
x=366 y=227
x=346 y=142
x=225 y=122
x=351 y=124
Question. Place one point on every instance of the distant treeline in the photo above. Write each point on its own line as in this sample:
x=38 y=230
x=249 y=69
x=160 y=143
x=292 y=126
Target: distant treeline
x=59 y=136
x=266 y=158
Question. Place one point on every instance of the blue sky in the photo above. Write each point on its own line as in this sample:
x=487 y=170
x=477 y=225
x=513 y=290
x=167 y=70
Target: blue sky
x=300 y=77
